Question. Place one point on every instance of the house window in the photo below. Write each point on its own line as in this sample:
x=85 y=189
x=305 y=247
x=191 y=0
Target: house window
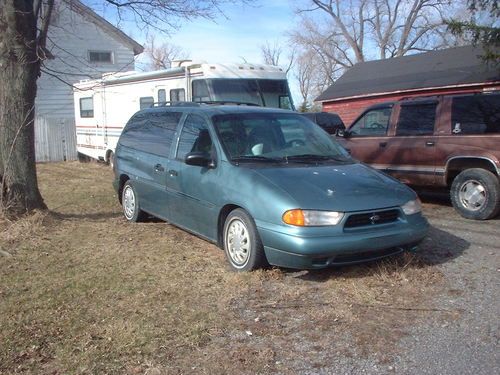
x=87 y=107
x=101 y=57
x=177 y=95
x=146 y=102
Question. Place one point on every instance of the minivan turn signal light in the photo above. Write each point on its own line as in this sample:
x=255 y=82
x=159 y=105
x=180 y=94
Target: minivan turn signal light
x=305 y=218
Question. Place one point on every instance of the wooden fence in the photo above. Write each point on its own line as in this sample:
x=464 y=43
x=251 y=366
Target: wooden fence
x=55 y=139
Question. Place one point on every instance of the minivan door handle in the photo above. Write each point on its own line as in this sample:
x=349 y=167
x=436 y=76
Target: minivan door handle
x=429 y=144
x=382 y=144
x=172 y=173
x=159 y=168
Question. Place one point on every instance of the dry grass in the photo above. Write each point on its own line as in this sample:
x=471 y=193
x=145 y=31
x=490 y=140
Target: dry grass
x=85 y=292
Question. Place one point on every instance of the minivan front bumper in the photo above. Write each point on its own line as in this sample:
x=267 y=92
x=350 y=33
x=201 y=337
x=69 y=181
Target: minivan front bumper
x=364 y=244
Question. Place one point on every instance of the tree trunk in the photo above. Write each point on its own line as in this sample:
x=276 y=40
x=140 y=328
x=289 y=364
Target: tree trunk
x=19 y=70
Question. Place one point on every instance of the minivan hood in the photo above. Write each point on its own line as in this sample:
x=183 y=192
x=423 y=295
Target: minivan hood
x=352 y=187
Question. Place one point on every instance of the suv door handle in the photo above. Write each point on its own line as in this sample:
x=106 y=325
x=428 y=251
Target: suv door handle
x=382 y=144
x=172 y=173
x=159 y=168
x=429 y=144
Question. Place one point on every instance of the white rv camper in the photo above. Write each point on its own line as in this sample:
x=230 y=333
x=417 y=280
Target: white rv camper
x=103 y=106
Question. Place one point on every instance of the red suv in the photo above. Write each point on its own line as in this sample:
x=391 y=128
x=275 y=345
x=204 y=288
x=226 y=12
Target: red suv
x=449 y=141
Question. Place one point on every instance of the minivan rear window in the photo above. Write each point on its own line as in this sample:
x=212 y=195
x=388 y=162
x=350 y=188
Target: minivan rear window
x=151 y=132
x=476 y=114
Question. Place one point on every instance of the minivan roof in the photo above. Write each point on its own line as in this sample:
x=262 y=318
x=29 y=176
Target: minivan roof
x=217 y=109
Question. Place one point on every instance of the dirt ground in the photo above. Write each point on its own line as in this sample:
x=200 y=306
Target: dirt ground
x=84 y=292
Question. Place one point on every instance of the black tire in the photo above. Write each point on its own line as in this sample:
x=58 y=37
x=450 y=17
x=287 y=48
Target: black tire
x=485 y=203
x=248 y=254
x=130 y=203
x=82 y=158
x=111 y=159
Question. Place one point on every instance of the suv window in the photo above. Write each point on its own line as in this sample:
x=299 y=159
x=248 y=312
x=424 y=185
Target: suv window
x=372 y=123
x=476 y=114
x=194 y=137
x=151 y=132
x=416 y=119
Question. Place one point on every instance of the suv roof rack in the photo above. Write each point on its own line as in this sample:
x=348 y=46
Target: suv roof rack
x=197 y=104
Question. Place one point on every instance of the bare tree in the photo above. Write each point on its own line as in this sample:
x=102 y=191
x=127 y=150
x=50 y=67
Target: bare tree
x=271 y=55
x=24 y=27
x=348 y=32
x=161 y=55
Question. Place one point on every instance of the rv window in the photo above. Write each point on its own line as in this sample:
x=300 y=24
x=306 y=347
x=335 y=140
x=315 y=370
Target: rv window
x=100 y=57
x=146 y=102
x=87 y=107
x=177 y=95
x=200 y=91
x=162 y=96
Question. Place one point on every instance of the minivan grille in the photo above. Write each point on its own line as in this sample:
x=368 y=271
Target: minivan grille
x=372 y=218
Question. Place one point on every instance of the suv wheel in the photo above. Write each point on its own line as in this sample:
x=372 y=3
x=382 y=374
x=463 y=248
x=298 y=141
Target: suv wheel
x=130 y=203
x=475 y=194
x=242 y=244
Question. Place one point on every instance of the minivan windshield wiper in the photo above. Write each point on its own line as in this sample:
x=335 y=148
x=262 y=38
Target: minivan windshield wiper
x=256 y=158
x=315 y=157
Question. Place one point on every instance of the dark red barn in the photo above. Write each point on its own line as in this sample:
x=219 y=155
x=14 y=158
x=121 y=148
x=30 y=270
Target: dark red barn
x=453 y=70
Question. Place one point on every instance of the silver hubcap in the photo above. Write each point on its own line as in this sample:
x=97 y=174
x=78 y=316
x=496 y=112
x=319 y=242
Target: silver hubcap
x=472 y=195
x=128 y=202
x=238 y=242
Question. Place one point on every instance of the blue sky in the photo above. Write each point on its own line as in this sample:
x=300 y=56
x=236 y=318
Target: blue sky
x=237 y=34
x=240 y=35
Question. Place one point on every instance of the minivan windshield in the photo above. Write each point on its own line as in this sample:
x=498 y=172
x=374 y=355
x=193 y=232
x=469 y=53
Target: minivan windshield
x=275 y=137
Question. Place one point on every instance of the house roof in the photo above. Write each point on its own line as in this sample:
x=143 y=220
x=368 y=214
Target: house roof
x=92 y=16
x=435 y=69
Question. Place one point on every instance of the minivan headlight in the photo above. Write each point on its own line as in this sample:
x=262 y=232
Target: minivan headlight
x=412 y=207
x=304 y=218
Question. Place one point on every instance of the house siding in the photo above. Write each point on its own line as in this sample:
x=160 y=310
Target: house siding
x=71 y=36
x=350 y=109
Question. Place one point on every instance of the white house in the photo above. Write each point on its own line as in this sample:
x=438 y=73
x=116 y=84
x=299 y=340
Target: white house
x=84 y=45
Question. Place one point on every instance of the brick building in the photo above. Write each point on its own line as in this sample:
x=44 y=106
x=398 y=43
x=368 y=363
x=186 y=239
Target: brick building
x=453 y=70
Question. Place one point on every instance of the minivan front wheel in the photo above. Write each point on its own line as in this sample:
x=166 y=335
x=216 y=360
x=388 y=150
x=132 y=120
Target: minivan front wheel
x=130 y=203
x=475 y=194
x=242 y=243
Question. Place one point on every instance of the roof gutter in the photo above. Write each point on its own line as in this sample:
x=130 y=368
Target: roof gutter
x=409 y=90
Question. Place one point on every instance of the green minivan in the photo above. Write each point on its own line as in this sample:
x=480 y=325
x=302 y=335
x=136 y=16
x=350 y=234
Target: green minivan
x=266 y=185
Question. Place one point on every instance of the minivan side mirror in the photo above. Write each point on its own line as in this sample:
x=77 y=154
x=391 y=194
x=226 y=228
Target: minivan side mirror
x=200 y=159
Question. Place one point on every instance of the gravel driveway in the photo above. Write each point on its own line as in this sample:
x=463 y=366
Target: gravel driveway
x=467 y=342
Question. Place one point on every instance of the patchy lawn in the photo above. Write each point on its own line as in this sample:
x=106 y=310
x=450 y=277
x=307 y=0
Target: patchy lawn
x=82 y=291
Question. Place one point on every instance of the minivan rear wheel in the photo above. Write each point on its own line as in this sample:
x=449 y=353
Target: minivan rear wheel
x=475 y=194
x=130 y=203
x=242 y=244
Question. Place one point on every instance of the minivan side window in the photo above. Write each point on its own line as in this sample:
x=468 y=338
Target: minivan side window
x=194 y=137
x=478 y=114
x=373 y=123
x=416 y=119
x=151 y=132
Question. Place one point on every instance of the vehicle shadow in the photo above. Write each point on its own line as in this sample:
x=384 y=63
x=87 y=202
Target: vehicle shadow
x=89 y=216
x=438 y=247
